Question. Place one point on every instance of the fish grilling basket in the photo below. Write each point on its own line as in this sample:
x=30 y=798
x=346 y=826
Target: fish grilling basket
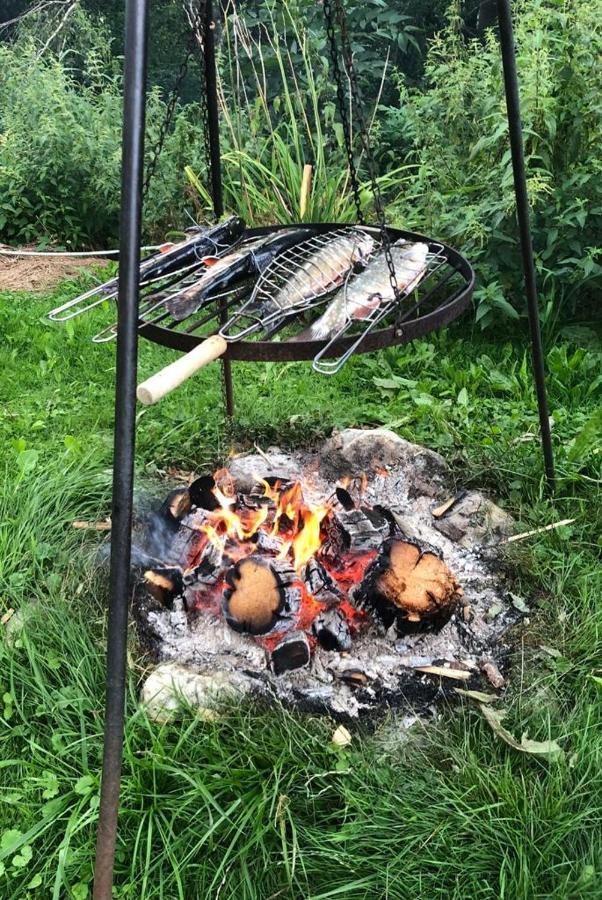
x=441 y=296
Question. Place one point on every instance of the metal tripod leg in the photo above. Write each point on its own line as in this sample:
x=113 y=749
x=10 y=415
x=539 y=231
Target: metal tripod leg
x=522 y=210
x=215 y=166
x=125 y=432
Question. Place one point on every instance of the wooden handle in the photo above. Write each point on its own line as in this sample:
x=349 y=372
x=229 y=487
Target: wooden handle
x=169 y=378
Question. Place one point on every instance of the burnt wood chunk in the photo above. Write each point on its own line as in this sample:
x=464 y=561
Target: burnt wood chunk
x=355 y=529
x=410 y=585
x=260 y=593
x=332 y=630
x=345 y=498
x=292 y=652
x=164 y=583
x=201 y=493
x=320 y=583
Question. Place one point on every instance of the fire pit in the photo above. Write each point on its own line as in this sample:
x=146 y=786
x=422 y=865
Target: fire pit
x=325 y=578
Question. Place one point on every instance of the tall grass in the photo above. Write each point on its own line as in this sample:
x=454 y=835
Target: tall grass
x=270 y=136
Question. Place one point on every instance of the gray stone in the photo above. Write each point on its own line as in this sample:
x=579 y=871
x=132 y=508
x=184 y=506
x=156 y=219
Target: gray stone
x=475 y=521
x=358 y=451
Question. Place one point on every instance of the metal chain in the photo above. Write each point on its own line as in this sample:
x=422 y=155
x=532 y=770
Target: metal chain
x=342 y=104
x=199 y=29
x=173 y=102
x=358 y=104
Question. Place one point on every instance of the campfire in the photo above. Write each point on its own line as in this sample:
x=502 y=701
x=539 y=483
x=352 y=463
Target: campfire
x=294 y=575
x=303 y=580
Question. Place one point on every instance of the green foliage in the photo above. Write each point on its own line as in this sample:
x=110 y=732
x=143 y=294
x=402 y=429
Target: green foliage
x=60 y=151
x=458 y=134
x=279 y=114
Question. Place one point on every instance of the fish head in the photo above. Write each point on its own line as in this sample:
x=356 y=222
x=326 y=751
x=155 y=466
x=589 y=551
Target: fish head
x=233 y=227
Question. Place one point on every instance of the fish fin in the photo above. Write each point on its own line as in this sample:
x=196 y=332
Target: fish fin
x=165 y=247
x=317 y=331
x=210 y=260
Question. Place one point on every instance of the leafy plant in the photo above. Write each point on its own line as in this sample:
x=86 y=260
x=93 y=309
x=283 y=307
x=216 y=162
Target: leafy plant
x=458 y=134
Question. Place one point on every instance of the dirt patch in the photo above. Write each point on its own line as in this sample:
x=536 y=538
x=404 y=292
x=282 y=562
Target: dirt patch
x=38 y=273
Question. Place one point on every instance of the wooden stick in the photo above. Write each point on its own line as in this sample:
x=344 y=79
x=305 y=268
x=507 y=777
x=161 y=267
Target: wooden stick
x=306 y=183
x=528 y=534
x=172 y=376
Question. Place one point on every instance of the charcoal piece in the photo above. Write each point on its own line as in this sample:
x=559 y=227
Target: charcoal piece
x=262 y=595
x=201 y=493
x=207 y=569
x=410 y=585
x=356 y=529
x=164 y=583
x=332 y=630
x=268 y=543
x=345 y=499
x=291 y=653
x=319 y=582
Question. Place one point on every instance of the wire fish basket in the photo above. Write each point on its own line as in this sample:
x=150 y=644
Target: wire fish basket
x=418 y=287
x=301 y=278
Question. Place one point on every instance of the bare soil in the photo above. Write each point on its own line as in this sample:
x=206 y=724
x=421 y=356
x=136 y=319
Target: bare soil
x=39 y=273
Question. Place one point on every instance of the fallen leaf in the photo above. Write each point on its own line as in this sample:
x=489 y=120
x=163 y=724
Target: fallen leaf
x=518 y=603
x=551 y=651
x=549 y=750
x=493 y=611
x=479 y=696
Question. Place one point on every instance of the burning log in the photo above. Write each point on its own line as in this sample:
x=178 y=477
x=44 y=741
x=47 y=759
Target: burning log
x=260 y=594
x=292 y=652
x=409 y=585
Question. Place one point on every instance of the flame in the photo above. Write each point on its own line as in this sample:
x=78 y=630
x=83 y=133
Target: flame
x=308 y=540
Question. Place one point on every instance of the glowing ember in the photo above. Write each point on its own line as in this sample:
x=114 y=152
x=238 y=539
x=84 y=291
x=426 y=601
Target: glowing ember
x=275 y=566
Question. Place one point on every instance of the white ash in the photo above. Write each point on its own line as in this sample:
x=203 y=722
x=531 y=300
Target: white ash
x=380 y=668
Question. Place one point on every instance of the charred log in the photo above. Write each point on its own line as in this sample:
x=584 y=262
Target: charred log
x=292 y=652
x=409 y=585
x=332 y=630
x=164 y=524
x=355 y=529
x=261 y=595
x=201 y=493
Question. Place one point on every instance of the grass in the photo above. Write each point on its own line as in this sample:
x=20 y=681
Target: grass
x=260 y=805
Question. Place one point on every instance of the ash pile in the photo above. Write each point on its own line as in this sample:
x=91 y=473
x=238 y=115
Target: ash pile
x=342 y=580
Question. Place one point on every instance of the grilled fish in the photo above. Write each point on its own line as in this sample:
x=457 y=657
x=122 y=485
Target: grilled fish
x=369 y=289
x=323 y=270
x=221 y=274
x=201 y=243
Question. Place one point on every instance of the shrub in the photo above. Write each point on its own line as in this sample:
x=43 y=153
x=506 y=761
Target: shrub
x=457 y=130
x=60 y=152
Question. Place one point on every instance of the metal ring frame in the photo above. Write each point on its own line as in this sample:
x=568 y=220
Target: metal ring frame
x=275 y=351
